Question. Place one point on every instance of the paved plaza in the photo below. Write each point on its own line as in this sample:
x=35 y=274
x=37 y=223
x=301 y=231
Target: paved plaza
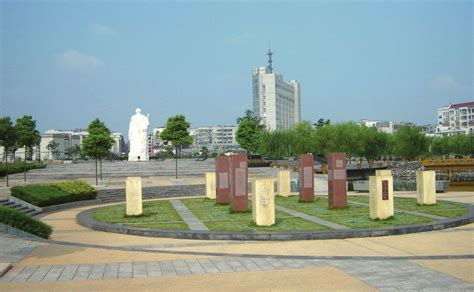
x=78 y=258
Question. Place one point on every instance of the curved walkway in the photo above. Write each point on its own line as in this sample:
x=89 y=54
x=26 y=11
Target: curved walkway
x=80 y=258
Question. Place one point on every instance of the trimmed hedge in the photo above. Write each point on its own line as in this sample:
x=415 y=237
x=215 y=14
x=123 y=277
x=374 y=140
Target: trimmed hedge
x=19 y=167
x=54 y=193
x=15 y=218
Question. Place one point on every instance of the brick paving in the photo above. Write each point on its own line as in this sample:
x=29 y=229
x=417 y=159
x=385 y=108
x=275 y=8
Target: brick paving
x=385 y=275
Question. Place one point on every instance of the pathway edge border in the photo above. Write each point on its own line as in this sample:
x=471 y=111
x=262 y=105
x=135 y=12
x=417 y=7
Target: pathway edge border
x=85 y=219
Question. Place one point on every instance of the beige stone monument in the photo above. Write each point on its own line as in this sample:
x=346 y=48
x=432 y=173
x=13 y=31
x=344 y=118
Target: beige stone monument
x=133 y=193
x=263 y=202
x=284 y=183
x=381 y=195
x=385 y=172
x=211 y=185
x=426 y=187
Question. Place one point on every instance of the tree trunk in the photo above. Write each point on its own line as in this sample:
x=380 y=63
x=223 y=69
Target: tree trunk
x=101 y=169
x=6 y=164
x=96 y=177
x=176 y=159
x=24 y=167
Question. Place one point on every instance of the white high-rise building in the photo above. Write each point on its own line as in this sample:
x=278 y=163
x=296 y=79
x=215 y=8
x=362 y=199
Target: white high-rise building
x=276 y=101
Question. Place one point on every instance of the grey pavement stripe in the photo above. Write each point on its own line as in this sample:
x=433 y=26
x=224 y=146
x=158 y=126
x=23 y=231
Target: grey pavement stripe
x=25 y=274
x=97 y=271
x=11 y=274
x=401 y=276
x=39 y=274
x=125 y=270
x=311 y=218
x=82 y=272
x=384 y=275
x=68 y=273
x=111 y=271
x=193 y=222
x=405 y=211
x=53 y=273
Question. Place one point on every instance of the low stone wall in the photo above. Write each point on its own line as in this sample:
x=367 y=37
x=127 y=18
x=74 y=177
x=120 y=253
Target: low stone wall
x=117 y=195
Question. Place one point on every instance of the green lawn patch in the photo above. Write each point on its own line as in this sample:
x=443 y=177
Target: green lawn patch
x=157 y=214
x=17 y=219
x=219 y=218
x=354 y=216
x=444 y=209
x=43 y=195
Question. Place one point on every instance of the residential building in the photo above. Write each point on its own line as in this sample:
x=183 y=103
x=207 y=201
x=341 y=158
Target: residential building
x=455 y=119
x=215 y=136
x=388 y=127
x=118 y=148
x=276 y=101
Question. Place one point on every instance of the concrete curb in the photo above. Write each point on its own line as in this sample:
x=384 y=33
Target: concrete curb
x=85 y=219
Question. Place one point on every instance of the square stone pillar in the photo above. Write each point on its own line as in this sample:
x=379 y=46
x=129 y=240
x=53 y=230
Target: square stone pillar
x=284 y=183
x=381 y=196
x=238 y=182
x=337 y=180
x=133 y=194
x=263 y=202
x=426 y=187
x=222 y=180
x=306 y=176
x=386 y=172
x=211 y=185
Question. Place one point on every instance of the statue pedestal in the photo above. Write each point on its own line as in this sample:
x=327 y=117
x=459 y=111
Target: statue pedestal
x=133 y=193
x=211 y=185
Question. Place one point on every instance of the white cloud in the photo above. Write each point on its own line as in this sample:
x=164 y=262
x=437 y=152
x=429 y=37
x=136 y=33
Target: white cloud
x=76 y=60
x=101 y=29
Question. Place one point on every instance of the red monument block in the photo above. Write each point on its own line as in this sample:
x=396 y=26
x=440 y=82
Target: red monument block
x=337 y=180
x=222 y=180
x=238 y=178
x=306 y=177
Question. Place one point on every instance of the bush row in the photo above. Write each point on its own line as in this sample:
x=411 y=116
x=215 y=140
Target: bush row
x=17 y=219
x=19 y=167
x=54 y=193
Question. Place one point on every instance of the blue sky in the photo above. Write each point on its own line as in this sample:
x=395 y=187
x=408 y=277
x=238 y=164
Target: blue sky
x=67 y=62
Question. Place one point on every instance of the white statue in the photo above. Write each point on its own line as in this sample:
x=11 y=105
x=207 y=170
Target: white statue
x=137 y=136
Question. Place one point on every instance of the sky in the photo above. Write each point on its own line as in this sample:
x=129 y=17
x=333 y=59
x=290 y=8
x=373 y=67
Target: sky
x=68 y=62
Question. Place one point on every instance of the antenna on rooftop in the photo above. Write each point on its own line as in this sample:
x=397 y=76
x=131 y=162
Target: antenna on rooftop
x=270 y=67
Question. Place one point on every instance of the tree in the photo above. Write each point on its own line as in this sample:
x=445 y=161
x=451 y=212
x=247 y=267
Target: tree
x=303 y=138
x=53 y=148
x=7 y=139
x=97 y=143
x=27 y=136
x=73 y=151
x=275 y=144
x=410 y=142
x=322 y=122
x=375 y=143
x=250 y=131
x=176 y=132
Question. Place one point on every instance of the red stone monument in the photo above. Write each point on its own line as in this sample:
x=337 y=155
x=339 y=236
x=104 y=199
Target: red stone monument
x=306 y=177
x=222 y=180
x=238 y=178
x=337 y=180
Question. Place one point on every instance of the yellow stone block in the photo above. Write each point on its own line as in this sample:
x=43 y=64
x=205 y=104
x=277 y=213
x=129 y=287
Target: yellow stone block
x=263 y=202
x=426 y=187
x=385 y=172
x=133 y=193
x=284 y=183
x=211 y=185
x=381 y=196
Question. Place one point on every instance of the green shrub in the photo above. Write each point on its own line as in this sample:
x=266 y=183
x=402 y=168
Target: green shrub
x=19 y=167
x=54 y=193
x=77 y=187
x=15 y=218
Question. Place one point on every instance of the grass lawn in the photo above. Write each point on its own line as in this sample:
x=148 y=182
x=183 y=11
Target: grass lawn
x=218 y=218
x=158 y=214
x=440 y=208
x=354 y=216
